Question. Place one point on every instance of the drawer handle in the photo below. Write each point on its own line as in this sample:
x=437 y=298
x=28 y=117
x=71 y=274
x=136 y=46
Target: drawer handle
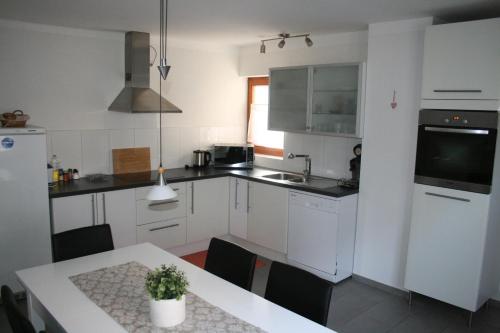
x=248 y=197
x=93 y=209
x=162 y=203
x=236 y=195
x=165 y=227
x=458 y=91
x=447 y=196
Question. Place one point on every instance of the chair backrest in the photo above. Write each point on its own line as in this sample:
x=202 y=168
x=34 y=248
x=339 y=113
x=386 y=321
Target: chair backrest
x=299 y=291
x=81 y=242
x=231 y=263
x=17 y=320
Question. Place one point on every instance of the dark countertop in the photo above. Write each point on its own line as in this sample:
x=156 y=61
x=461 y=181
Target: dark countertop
x=318 y=185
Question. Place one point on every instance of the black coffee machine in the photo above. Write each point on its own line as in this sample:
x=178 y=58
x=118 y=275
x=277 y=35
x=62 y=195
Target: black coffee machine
x=355 y=163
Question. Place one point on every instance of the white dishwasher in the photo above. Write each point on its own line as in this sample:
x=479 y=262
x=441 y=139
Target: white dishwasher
x=312 y=234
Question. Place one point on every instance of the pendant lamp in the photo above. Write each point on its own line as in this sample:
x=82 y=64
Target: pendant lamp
x=162 y=191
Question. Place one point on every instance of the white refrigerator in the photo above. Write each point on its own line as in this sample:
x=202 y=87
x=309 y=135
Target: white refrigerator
x=24 y=202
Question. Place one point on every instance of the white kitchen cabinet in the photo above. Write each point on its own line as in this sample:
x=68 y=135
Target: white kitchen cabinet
x=117 y=208
x=462 y=62
x=288 y=98
x=321 y=99
x=238 y=207
x=119 y=213
x=74 y=212
x=451 y=247
x=162 y=223
x=164 y=234
x=208 y=209
x=149 y=212
x=268 y=216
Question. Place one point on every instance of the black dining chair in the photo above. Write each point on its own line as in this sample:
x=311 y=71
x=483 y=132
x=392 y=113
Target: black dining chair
x=81 y=242
x=17 y=319
x=299 y=291
x=231 y=263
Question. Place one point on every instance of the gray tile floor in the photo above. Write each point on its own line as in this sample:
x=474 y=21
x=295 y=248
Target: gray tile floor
x=359 y=308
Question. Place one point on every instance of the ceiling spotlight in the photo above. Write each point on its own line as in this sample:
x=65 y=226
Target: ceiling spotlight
x=262 y=47
x=309 y=42
x=282 y=40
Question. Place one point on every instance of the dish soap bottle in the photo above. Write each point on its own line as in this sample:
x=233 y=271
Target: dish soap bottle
x=55 y=167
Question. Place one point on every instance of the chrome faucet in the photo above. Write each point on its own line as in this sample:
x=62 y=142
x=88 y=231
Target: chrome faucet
x=307 y=170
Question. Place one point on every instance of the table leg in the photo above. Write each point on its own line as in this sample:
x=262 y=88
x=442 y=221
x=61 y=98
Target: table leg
x=33 y=316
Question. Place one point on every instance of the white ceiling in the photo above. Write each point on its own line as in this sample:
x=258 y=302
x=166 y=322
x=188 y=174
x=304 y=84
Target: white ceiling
x=238 y=21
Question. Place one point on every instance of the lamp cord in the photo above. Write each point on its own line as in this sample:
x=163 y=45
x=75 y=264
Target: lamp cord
x=161 y=157
x=162 y=55
x=165 y=22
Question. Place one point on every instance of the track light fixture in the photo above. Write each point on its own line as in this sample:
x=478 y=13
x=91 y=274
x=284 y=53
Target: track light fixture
x=282 y=40
x=309 y=42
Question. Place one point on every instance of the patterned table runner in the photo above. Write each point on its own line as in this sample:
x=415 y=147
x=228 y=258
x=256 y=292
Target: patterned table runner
x=120 y=292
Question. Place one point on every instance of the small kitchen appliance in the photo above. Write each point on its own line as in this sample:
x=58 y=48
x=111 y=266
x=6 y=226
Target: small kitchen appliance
x=201 y=158
x=233 y=156
x=355 y=163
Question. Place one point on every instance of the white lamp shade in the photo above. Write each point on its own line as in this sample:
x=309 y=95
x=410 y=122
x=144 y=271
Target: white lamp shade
x=161 y=192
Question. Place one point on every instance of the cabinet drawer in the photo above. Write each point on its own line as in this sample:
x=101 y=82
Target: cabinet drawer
x=148 y=212
x=142 y=192
x=165 y=234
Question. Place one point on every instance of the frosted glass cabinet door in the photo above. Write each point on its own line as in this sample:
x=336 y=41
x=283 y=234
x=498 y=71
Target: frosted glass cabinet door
x=288 y=99
x=335 y=99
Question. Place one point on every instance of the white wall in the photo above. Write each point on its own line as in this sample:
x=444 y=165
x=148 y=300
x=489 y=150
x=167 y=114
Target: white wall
x=330 y=155
x=66 y=78
x=395 y=52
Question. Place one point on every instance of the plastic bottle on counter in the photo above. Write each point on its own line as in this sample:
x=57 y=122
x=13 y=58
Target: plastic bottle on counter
x=55 y=175
x=50 y=173
x=55 y=162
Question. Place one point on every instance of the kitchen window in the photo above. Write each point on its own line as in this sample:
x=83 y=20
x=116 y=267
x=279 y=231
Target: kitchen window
x=266 y=142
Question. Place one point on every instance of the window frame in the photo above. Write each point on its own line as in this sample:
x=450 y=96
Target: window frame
x=261 y=150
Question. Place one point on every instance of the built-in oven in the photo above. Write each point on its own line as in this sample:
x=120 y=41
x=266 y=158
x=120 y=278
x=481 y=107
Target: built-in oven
x=456 y=149
x=233 y=156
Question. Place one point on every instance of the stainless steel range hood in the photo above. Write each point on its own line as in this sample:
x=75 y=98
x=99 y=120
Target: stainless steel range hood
x=137 y=96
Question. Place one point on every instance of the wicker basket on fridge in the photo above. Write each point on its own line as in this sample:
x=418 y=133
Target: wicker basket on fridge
x=14 y=119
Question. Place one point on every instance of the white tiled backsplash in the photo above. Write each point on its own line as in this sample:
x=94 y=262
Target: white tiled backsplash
x=330 y=155
x=89 y=151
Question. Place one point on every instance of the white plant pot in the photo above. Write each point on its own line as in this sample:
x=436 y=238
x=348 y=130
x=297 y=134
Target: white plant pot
x=168 y=312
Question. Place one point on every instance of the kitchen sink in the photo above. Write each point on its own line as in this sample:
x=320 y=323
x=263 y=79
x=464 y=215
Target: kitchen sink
x=289 y=177
x=313 y=181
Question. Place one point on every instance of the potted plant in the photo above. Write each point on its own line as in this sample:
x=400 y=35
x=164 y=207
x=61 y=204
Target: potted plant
x=167 y=287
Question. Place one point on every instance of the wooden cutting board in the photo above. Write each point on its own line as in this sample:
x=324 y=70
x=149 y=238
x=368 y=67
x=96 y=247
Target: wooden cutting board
x=131 y=160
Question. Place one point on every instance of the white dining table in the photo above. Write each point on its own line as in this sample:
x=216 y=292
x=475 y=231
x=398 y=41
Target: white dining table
x=56 y=304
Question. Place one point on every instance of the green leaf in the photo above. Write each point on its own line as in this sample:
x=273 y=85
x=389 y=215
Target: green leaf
x=166 y=283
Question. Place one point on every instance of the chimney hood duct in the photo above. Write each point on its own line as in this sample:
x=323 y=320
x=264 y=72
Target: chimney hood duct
x=137 y=96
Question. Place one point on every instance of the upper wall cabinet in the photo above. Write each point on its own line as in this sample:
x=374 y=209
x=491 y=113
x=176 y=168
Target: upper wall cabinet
x=462 y=65
x=288 y=99
x=322 y=99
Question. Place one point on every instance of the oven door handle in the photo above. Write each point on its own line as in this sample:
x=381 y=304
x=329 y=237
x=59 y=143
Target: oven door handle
x=457 y=130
